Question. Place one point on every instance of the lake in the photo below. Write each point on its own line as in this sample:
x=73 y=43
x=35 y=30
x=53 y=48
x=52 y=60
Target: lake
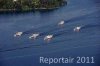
x=21 y=51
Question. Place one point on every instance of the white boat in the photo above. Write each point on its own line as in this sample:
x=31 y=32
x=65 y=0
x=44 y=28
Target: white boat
x=48 y=37
x=77 y=29
x=34 y=36
x=18 y=34
x=61 y=23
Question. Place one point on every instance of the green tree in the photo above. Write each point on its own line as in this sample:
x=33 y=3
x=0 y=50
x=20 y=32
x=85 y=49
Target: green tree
x=36 y=3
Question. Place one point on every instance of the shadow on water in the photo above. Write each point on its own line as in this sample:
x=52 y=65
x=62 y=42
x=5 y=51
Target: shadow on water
x=27 y=11
x=15 y=12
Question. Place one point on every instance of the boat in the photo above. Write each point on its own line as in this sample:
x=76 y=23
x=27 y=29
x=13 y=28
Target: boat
x=34 y=36
x=61 y=23
x=48 y=38
x=77 y=29
x=18 y=34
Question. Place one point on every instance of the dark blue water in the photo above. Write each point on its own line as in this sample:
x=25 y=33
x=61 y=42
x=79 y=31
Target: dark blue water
x=22 y=51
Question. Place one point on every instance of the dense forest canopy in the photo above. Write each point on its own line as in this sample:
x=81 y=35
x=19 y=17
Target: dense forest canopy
x=29 y=4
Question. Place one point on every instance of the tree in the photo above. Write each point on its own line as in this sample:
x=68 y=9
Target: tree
x=36 y=3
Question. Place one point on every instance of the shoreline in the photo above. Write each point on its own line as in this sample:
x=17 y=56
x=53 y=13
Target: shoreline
x=31 y=9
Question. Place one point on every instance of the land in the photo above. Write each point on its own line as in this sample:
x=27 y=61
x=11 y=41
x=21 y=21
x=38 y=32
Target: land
x=25 y=5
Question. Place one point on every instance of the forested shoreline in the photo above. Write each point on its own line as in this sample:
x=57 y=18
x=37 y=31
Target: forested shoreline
x=9 y=5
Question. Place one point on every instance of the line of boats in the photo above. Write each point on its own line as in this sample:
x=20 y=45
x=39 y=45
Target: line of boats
x=47 y=37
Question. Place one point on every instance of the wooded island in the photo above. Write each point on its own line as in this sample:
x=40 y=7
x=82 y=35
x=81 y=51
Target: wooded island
x=9 y=5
